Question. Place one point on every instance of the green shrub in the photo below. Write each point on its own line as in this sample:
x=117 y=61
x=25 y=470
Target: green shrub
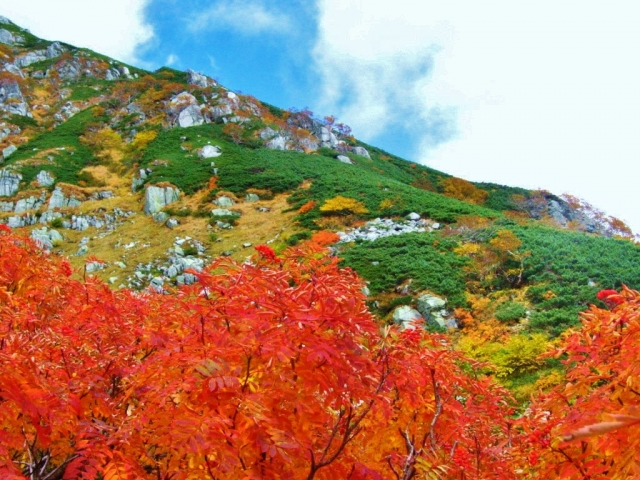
x=422 y=257
x=190 y=250
x=296 y=238
x=22 y=121
x=510 y=312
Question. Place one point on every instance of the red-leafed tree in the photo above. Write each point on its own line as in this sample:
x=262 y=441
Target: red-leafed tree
x=273 y=369
x=589 y=427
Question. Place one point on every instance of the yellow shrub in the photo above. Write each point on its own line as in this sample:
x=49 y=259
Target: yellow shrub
x=463 y=190
x=340 y=205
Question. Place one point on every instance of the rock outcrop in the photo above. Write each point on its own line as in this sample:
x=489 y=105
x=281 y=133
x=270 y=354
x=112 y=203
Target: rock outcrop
x=406 y=317
x=209 y=151
x=156 y=198
x=11 y=99
x=59 y=200
x=46 y=237
x=9 y=38
x=9 y=182
x=200 y=80
x=44 y=179
x=386 y=227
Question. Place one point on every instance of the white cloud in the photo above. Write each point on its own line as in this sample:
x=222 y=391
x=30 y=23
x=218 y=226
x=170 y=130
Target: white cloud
x=248 y=17
x=116 y=28
x=172 y=59
x=373 y=59
x=545 y=93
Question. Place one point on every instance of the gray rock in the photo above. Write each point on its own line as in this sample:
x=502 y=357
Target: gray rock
x=413 y=216
x=327 y=138
x=120 y=264
x=9 y=182
x=308 y=144
x=49 y=216
x=224 y=201
x=157 y=284
x=219 y=111
x=9 y=38
x=102 y=195
x=156 y=198
x=195 y=78
x=6 y=152
x=267 y=133
x=54 y=50
x=136 y=183
x=83 y=250
x=21 y=221
x=44 y=179
x=190 y=278
x=428 y=303
x=46 y=238
x=67 y=111
x=69 y=69
x=344 y=159
x=221 y=212
x=94 y=266
x=251 y=197
x=112 y=74
x=6 y=206
x=58 y=200
x=160 y=217
x=13 y=69
x=190 y=116
x=209 y=151
x=179 y=102
x=29 y=203
x=11 y=99
x=379 y=228
x=5 y=20
x=172 y=271
x=172 y=223
x=80 y=223
x=277 y=143
x=432 y=309
x=362 y=152
x=124 y=71
x=406 y=317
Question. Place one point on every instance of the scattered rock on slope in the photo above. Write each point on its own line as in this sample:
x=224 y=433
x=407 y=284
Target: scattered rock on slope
x=156 y=198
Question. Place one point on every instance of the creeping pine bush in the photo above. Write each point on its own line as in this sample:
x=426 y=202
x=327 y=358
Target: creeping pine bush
x=510 y=312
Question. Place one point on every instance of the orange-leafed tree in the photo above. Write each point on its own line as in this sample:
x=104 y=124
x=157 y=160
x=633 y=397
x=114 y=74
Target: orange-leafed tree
x=325 y=238
x=270 y=369
x=589 y=426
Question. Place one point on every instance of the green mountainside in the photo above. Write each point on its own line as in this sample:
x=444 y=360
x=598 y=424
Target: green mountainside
x=140 y=176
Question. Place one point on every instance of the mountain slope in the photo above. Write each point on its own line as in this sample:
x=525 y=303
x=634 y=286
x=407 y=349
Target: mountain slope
x=158 y=172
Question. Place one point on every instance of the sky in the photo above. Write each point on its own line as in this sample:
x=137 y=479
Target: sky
x=540 y=95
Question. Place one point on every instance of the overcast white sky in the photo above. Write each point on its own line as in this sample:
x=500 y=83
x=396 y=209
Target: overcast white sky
x=541 y=94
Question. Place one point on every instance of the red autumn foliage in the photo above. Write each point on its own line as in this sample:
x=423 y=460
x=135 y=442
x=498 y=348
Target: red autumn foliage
x=589 y=426
x=307 y=207
x=610 y=297
x=267 y=253
x=252 y=372
x=325 y=238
